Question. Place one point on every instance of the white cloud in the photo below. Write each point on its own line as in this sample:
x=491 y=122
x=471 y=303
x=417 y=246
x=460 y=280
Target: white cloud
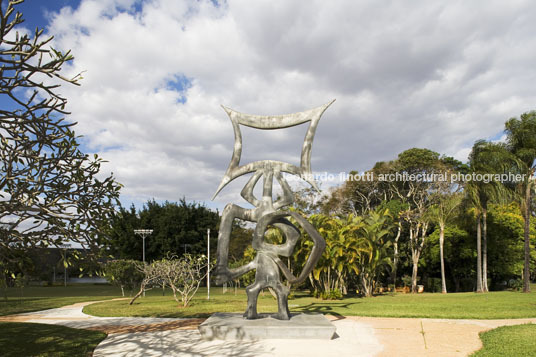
x=405 y=74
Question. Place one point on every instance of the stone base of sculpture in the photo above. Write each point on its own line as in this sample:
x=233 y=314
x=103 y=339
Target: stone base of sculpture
x=233 y=326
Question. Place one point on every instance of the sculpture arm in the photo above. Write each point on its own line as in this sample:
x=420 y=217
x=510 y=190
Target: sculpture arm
x=287 y=198
x=247 y=191
x=225 y=274
x=230 y=212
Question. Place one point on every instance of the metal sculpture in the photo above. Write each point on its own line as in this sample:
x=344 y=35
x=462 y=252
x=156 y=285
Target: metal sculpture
x=268 y=212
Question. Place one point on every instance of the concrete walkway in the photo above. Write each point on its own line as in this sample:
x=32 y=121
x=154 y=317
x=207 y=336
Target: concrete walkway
x=356 y=336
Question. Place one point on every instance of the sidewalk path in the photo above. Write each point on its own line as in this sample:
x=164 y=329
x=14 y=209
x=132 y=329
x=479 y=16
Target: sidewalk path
x=356 y=336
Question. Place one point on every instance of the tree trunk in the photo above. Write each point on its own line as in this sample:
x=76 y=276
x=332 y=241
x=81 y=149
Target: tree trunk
x=415 y=259
x=485 y=250
x=366 y=285
x=289 y=269
x=416 y=250
x=478 y=254
x=526 y=217
x=329 y=280
x=312 y=281
x=395 y=256
x=174 y=289
x=272 y=292
x=441 y=257
x=142 y=287
x=122 y=291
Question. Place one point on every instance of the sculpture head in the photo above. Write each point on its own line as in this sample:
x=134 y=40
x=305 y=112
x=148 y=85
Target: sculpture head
x=273 y=122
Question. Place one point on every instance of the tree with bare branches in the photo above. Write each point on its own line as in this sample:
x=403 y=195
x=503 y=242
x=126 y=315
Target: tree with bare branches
x=50 y=191
x=183 y=275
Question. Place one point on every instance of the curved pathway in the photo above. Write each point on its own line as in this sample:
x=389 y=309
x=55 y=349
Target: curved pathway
x=356 y=336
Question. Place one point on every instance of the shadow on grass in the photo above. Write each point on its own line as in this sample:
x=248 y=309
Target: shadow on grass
x=30 y=339
x=326 y=308
x=16 y=306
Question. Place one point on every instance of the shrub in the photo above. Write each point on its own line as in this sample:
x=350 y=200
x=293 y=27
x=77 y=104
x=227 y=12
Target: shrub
x=328 y=295
x=123 y=273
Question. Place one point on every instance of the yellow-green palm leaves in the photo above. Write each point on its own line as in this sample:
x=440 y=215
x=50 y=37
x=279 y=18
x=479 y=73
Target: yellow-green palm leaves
x=354 y=245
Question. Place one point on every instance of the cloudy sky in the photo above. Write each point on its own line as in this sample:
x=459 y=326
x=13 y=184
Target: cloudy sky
x=434 y=74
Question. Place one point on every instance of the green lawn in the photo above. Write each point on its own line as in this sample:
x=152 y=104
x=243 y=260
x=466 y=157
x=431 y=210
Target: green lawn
x=38 y=339
x=519 y=340
x=494 y=305
x=37 y=298
x=27 y=339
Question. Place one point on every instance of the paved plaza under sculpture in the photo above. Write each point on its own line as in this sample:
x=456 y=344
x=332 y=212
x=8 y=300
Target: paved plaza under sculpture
x=267 y=212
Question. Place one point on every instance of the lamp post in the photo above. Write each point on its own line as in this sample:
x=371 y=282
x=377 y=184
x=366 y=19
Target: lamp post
x=143 y=233
x=65 y=247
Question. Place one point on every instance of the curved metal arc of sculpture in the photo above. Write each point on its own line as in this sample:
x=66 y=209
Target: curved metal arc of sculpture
x=286 y=249
x=273 y=122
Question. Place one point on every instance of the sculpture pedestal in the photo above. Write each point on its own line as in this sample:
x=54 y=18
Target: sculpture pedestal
x=232 y=326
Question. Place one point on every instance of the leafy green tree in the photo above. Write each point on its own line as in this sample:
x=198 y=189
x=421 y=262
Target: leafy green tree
x=123 y=273
x=241 y=237
x=506 y=254
x=521 y=140
x=307 y=201
x=330 y=275
x=122 y=243
x=363 y=193
x=178 y=228
x=328 y=272
x=374 y=236
x=395 y=208
x=485 y=158
x=49 y=190
x=417 y=194
x=459 y=255
x=443 y=211
x=355 y=246
x=248 y=278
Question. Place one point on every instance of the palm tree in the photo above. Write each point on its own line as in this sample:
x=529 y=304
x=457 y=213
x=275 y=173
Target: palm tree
x=521 y=141
x=339 y=259
x=374 y=237
x=473 y=191
x=486 y=158
x=395 y=207
x=442 y=211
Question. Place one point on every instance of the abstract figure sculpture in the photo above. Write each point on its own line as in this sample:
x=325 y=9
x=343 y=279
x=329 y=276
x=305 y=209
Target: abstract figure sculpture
x=267 y=212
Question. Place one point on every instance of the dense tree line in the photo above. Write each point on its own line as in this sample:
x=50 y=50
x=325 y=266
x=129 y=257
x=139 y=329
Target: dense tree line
x=178 y=228
x=466 y=228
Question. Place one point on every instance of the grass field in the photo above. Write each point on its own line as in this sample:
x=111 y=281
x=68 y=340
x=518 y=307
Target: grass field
x=519 y=340
x=494 y=305
x=22 y=339
x=26 y=339
x=41 y=298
